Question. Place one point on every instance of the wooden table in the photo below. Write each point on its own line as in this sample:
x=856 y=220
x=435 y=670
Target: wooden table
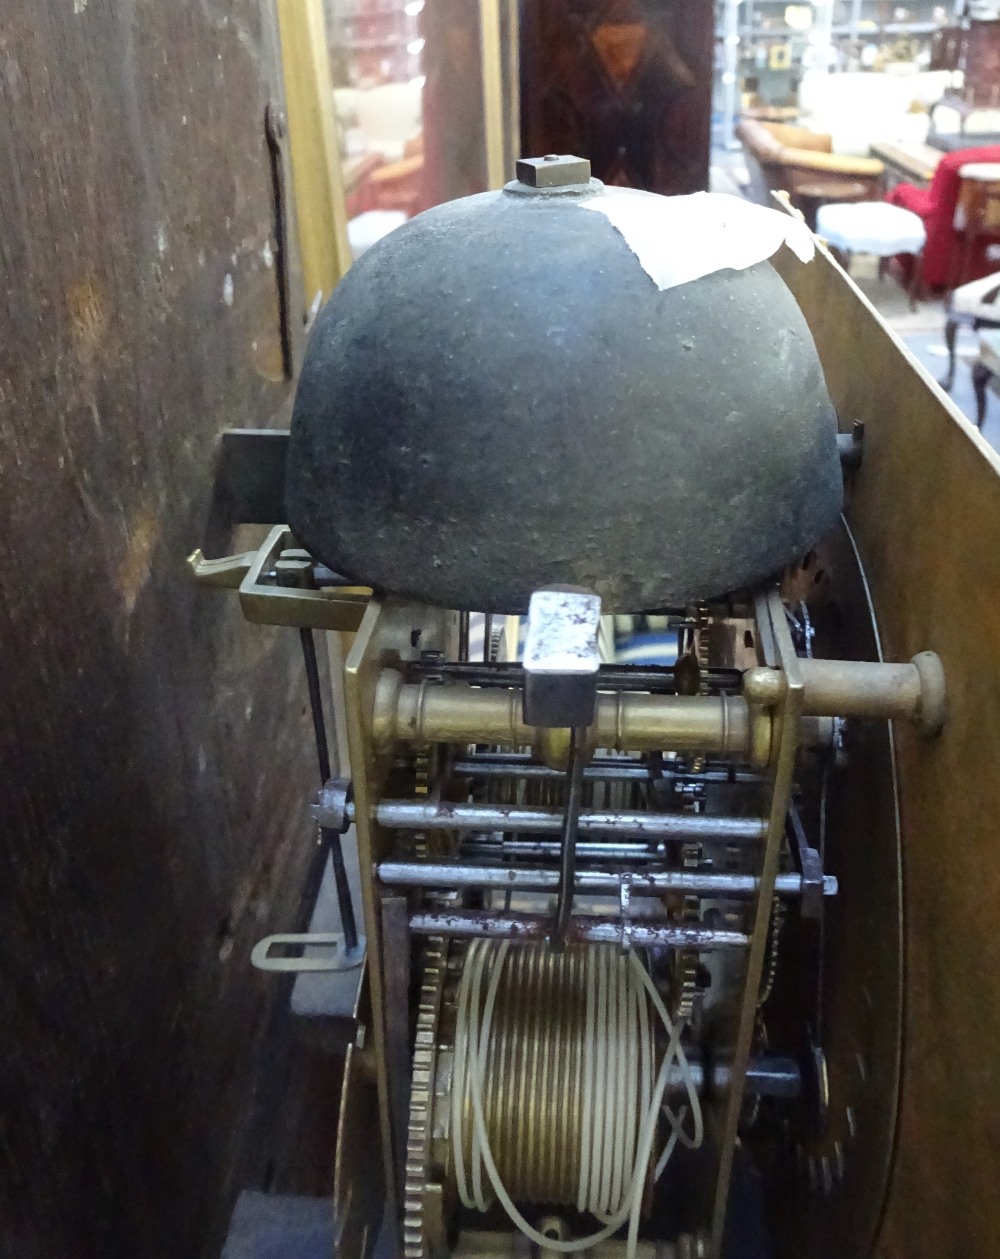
x=907 y=163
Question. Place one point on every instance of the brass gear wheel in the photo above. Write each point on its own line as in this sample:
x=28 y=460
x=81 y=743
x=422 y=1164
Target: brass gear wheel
x=423 y=1221
x=685 y=978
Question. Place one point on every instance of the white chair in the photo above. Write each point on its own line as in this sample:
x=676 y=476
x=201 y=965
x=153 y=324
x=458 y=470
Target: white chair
x=873 y=227
x=973 y=305
x=985 y=372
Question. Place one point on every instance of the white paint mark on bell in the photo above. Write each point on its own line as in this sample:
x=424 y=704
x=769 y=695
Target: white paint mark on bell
x=161 y=240
x=227 y=289
x=266 y=254
x=79 y=6
x=680 y=239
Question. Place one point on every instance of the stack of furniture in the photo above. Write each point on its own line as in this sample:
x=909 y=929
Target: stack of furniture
x=974 y=50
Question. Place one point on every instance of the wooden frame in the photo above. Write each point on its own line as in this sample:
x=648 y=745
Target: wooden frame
x=925 y=510
x=317 y=168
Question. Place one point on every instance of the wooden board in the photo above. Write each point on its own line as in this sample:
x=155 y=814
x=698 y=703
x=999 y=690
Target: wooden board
x=155 y=759
x=625 y=83
x=469 y=97
x=925 y=509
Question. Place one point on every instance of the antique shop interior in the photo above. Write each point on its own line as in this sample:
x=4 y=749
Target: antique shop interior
x=501 y=629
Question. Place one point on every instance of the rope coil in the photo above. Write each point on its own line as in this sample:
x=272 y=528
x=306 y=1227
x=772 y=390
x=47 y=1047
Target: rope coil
x=553 y=1091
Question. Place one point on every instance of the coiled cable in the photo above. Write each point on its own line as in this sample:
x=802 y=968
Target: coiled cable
x=610 y=1076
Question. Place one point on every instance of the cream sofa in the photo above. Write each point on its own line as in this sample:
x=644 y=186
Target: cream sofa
x=857 y=108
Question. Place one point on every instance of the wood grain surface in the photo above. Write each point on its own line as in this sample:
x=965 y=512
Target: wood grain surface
x=625 y=83
x=925 y=509
x=154 y=758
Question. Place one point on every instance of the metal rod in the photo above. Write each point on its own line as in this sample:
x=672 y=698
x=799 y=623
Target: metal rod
x=446 y=874
x=329 y=839
x=768 y=1075
x=593 y=850
x=570 y=825
x=463 y=636
x=444 y=816
x=469 y=924
x=658 y=679
x=487 y=636
x=491 y=765
x=316 y=702
x=474 y=768
x=626 y=721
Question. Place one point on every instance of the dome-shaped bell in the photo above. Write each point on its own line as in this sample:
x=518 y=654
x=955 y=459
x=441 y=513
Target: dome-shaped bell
x=500 y=396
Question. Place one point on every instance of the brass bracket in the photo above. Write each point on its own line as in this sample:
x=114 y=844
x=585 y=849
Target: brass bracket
x=338 y=608
x=265 y=602
x=225 y=573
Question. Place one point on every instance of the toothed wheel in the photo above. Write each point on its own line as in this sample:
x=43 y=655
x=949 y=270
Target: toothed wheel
x=422 y=1210
x=685 y=985
x=684 y=989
